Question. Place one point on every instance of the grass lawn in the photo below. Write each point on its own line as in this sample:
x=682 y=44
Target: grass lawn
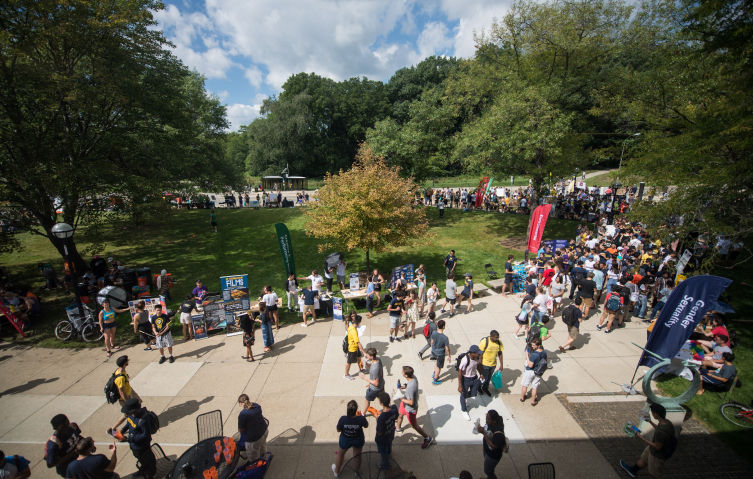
x=246 y=243
x=604 y=179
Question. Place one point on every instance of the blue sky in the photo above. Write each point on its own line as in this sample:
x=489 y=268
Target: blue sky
x=246 y=49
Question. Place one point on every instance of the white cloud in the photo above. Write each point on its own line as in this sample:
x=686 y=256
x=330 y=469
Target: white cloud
x=473 y=17
x=434 y=38
x=254 y=76
x=239 y=114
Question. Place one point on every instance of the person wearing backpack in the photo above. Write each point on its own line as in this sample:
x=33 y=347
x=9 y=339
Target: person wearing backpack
x=14 y=467
x=491 y=353
x=139 y=426
x=354 y=346
x=571 y=316
x=469 y=370
x=60 y=448
x=429 y=327
x=577 y=274
x=122 y=381
x=660 y=448
x=535 y=365
x=612 y=306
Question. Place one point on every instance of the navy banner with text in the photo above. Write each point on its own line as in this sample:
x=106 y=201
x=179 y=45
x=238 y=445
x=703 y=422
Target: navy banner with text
x=681 y=314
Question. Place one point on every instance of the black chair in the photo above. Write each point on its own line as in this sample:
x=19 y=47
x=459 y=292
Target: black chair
x=165 y=465
x=490 y=274
x=541 y=470
x=209 y=425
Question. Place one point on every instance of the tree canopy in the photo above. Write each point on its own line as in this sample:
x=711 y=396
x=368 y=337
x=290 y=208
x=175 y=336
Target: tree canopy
x=94 y=106
x=367 y=207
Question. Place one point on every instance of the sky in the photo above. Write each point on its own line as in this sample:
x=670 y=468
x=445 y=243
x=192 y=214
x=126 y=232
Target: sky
x=246 y=49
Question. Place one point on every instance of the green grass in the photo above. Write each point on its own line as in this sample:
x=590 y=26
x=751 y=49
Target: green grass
x=604 y=179
x=246 y=243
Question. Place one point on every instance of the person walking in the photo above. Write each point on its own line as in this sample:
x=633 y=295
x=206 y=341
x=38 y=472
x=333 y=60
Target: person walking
x=571 y=316
x=213 y=221
x=253 y=428
x=450 y=294
x=108 y=325
x=88 y=465
x=491 y=354
x=375 y=380
x=385 y=429
x=450 y=261
x=468 y=378
x=309 y=296
x=467 y=293
x=138 y=428
x=355 y=348
x=534 y=369
x=409 y=405
x=509 y=274
x=122 y=381
x=266 y=327
x=411 y=314
x=161 y=328
x=370 y=292
x=350 y=428
x=494 y=442
x=429 y=327
x=660 y=448
x=186 y=308
x=440 y=349
x=432 y=296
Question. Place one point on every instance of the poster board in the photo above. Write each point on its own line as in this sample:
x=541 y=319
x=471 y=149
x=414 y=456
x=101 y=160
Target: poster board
x=406 y=269
x=354 y=281
x=337 y=308
x=556 y=244
x=149 y=304
x=214 y=313
x=235 y=300
x=199 y=327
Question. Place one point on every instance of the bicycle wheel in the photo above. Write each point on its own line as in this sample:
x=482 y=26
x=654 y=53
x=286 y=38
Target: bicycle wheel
x=90 y=332
x=737 y=414
x=64 y=330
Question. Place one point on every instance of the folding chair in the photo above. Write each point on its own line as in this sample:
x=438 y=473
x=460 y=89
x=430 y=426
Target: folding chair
x=165 y=465
x=489 y=272
x=209 y=425
x=541 y=470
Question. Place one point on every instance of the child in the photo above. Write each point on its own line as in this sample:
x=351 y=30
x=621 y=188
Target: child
x=522 y=317
x=266 y=327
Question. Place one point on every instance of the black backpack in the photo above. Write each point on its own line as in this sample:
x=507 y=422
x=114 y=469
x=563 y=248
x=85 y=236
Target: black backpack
x=568 y=315
x=540 y=367
x=112 y=395
x=458 y=360
x=345 y=344
x=152 y=420
x=534 y=332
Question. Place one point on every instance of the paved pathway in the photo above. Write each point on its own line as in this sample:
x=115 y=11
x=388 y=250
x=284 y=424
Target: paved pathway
x=302 y=392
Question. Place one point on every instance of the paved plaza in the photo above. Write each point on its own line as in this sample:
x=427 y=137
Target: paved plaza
x=302 y=392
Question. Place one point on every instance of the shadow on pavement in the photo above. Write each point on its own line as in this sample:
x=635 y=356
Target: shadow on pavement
x=290 y=436
x=29 y=385
x=197 y=353
x=179 y=411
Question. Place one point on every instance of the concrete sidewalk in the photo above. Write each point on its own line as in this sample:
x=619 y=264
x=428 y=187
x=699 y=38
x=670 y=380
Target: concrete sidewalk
x=301 y=389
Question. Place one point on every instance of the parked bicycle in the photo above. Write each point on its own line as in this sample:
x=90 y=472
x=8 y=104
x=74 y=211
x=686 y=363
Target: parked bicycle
x=738 y=414
x=76 y=325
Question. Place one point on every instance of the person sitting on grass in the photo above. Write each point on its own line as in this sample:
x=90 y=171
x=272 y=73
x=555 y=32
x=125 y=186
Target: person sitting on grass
x=721 y=377
x=721 y=346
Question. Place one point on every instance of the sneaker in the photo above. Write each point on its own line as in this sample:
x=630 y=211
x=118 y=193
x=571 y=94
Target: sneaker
x=563 y=350
x=304 y=325
x=452 y=314
x=436 y=382
x=162 y=359
x=628 y=468
x=607 y=331
x=420 y=356
x=599 y=327
x=427 y=442
x=349 y=378
x=392 y=340
x=398 y=338
x=466 y=416
x=172 y=359
x=147 y=348
x=334 y=470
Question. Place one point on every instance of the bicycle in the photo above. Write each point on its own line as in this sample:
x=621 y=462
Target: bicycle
x=738 y=414
x=76 y=325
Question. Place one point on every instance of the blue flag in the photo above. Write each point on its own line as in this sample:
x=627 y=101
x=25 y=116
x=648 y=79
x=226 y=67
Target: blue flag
x=683 y=311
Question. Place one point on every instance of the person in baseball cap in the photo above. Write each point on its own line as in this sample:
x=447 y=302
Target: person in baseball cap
x=468 y=378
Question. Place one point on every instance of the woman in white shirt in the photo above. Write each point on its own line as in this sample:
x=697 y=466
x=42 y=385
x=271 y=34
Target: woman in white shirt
x=270 y=300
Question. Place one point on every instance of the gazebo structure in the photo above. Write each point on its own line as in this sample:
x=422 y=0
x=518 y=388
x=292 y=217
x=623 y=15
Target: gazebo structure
x=281 y=183
x=271 y=183
x=297 y=183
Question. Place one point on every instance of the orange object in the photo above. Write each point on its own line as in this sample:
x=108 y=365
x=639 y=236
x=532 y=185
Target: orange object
x=373 y=411
x=217 y=457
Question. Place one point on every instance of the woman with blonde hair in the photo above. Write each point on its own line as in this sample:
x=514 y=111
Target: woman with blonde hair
x=253 y=428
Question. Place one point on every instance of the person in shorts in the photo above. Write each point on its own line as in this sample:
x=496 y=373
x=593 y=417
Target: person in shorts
x=509 y=273
x=530 y=379
x=467 y=293
x=450 y=294
x=161 y=328
x=309 y=296
x=375 y=380
x=440 y=348
x=355 y=348
x=396 y=309
x=571 y=316
x=270 y=300
x=350 y=428
x=409 y=405
x=186 y=307
x=432 y=295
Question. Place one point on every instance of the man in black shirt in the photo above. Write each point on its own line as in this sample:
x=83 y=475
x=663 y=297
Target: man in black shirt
x=89 y=465
x=138 y=428
x=509 y=274
x=577 y=274
x=587 y=289
x=385 y=429
x=186 y=307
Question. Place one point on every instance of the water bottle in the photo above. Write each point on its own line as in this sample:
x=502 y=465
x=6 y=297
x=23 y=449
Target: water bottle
x=398 y=384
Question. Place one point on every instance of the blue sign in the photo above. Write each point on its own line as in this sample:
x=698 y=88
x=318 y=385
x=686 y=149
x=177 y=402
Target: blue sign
x=337 y=308
x=681 y=314
x=235 y=288
x=555 y=244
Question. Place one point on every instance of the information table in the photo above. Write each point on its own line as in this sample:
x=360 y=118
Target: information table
x=202 y=457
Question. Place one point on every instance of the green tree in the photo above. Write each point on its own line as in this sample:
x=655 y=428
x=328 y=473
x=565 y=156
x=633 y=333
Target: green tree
x=93 y=105
x=368 y=207
x=409 y=83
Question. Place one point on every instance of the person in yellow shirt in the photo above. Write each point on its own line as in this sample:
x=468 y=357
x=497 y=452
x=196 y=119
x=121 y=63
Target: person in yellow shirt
x=355 y=348
x=122 y=381
x=491 y=353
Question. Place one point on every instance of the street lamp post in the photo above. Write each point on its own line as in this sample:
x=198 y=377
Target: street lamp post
x=64 y=232
x=619 y=167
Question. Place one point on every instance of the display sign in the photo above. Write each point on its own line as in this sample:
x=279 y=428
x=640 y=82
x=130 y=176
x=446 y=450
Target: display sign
x=337 y=308
x=214 y=313
x=199 y=326
x=354 y=282
x=555 y=244
x=235 y=301
x=405 y=271
x=149 y=304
